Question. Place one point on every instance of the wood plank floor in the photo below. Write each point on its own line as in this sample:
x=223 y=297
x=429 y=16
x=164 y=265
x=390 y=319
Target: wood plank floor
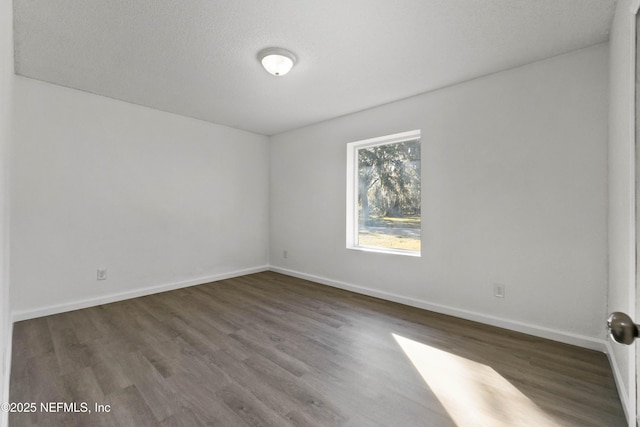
x=271 y=350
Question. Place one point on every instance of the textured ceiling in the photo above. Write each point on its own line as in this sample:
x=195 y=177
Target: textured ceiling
x=198 y=57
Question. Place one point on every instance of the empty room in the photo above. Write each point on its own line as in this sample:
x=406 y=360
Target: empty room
x=336 y=213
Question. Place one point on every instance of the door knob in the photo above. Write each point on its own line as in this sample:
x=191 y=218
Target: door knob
x=621 y=328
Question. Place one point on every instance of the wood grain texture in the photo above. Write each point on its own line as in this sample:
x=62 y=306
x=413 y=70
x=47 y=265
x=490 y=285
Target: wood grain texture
x=272 y=350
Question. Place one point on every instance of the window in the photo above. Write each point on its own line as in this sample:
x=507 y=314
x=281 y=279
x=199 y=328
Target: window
x=383 y=194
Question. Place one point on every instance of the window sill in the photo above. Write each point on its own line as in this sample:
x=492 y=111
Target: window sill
x=386 y=251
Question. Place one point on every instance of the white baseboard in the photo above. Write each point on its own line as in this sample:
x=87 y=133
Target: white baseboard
x=629 y=410
x=514 y=325
x=106 y=299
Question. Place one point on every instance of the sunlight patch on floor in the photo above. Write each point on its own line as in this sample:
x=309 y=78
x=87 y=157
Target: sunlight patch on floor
x=473 y=394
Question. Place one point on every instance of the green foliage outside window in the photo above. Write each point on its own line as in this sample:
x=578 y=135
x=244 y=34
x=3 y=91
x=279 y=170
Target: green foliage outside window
x=389 y=195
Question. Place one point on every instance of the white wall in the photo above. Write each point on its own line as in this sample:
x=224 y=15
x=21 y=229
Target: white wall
x=514 y=192
x=621 y=292
x=6 y=89
x=159 y=200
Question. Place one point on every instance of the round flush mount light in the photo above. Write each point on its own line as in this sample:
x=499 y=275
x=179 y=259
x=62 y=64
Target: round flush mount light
x=276 y=61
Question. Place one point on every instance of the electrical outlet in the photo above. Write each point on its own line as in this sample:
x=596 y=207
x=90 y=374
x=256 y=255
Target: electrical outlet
x=498 y=290
x=285 y=254
x=102 y=274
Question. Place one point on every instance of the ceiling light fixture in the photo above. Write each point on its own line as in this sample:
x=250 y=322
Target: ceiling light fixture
x=276 y=61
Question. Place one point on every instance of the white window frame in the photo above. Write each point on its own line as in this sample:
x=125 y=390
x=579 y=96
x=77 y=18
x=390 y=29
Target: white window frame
x=352 y=190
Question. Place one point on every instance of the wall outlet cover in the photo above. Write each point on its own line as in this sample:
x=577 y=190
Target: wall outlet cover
x=498 y=290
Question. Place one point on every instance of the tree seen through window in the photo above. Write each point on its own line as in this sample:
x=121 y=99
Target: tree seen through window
x=389 y=196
